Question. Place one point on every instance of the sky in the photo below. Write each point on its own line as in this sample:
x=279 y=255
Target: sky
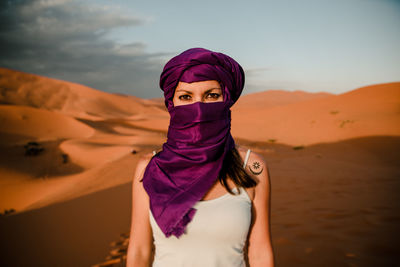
x=121 y=46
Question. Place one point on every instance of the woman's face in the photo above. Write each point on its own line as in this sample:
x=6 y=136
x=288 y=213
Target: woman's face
x=204 y=91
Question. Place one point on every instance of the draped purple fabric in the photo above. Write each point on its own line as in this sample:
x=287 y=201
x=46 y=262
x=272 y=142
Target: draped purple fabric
x=197 y=141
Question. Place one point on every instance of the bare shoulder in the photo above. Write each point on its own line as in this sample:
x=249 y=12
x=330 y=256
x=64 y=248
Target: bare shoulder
x=256 y=165
x=257 y=168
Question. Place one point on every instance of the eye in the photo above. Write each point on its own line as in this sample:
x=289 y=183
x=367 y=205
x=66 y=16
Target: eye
x=184 y=97
x=213 y=95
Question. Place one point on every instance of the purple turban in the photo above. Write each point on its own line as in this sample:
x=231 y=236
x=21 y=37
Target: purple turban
x=197 y=141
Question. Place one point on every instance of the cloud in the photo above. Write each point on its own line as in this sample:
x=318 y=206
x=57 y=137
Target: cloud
x=67 y=39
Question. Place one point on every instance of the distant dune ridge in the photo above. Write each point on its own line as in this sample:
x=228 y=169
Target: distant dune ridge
x=272 y=98
x=18 y=88
x=367 y=111
x=96 y=130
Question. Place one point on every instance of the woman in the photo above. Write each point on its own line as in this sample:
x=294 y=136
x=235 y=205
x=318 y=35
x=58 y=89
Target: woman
x=201 y=200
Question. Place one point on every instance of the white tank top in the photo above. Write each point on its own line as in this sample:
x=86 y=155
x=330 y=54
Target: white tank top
x=215 y=237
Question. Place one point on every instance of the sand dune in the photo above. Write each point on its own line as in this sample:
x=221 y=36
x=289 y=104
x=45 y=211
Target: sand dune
x=84 y=130
x=367 y=111
x=39 y=124
x=272 y=98
x=80 y=135
x=18 y=88
x=60 y=141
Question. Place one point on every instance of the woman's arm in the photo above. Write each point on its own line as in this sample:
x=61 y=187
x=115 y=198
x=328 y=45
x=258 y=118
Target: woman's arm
x=141 y=240
x=260 y=252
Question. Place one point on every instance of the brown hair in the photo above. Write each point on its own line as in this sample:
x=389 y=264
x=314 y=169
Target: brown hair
x=232 y=167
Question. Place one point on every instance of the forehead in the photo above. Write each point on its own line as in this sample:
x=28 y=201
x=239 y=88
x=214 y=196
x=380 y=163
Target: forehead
x=200 y=86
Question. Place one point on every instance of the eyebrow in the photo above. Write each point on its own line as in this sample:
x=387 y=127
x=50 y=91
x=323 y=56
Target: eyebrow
x=190 y=92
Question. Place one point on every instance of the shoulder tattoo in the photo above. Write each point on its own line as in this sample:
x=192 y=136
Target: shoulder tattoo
x=256 y=168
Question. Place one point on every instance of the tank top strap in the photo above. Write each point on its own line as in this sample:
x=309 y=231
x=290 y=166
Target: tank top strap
x=242 y=193
x=246 y=158
x=154 y=152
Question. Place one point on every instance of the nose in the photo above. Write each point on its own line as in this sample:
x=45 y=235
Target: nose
x=197 y=99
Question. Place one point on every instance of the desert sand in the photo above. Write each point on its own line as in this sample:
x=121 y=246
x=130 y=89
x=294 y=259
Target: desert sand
x=68 y=154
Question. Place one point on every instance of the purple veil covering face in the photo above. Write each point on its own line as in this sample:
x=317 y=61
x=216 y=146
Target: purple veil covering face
x=197 y=141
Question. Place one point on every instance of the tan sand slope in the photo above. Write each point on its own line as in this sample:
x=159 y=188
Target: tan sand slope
x=367 y=111
x=272 y=98
x=19 y=88
x=67 y=168
x=27 y=123
x=86 y=138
